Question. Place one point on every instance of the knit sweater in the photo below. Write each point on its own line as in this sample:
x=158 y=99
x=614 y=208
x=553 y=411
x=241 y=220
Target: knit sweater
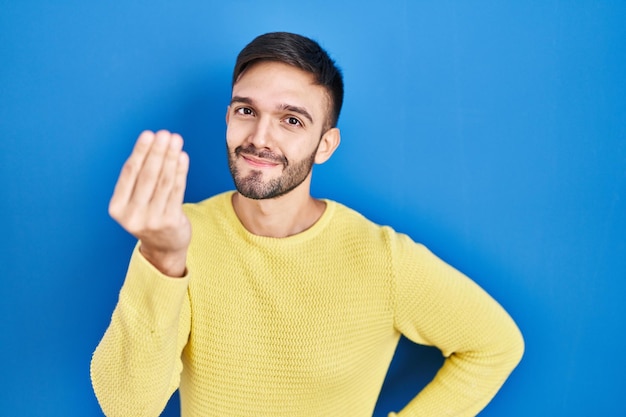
x=300 y=326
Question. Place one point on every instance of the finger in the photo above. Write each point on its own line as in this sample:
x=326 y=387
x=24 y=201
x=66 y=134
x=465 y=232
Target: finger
x=128 y=175
x=151 y=170
x=167 y=175
x=177 y=195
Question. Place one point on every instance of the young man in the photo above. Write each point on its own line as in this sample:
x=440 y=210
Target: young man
x=280 y=304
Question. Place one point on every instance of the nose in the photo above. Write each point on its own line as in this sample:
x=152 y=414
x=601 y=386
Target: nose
x=261 y=135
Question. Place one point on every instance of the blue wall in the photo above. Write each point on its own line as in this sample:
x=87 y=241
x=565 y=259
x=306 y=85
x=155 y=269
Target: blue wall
x=494 y=133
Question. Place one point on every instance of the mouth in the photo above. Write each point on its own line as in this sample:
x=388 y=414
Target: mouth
x=258 y=162
x=260 y=158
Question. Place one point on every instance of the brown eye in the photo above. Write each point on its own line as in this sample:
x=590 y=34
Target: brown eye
x=293 y=121
x=245 y=111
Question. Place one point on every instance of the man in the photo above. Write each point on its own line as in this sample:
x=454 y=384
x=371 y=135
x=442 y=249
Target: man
x=280 y=304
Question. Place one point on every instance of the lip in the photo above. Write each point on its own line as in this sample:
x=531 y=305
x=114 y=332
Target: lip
x=258 y=163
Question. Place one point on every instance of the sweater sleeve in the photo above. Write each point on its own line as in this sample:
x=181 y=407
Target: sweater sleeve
x=137 y=365
x=438 y=306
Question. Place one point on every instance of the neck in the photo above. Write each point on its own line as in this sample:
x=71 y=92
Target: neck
x=284 y=216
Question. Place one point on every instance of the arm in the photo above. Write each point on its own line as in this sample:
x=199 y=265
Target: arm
x=137 y=365
x=437 y=305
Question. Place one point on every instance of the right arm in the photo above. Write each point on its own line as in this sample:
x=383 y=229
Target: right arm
x=137 y=365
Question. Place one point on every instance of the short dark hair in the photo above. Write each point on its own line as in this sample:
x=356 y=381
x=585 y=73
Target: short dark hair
x=300 y=52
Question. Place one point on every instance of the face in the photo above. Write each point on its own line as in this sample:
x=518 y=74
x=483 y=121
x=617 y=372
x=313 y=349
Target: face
x=275 y=121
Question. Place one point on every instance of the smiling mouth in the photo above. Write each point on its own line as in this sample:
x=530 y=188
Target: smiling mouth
x=260 y=159
x=258 y=163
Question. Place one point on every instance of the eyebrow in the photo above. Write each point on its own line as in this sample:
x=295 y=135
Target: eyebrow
x=295 y=109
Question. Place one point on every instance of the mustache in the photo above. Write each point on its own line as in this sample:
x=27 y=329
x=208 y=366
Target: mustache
x=262 y=154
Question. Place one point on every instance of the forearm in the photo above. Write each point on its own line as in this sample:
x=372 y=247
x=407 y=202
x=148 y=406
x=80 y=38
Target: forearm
x=466 y=382
x=137 y=365
x=441 y=307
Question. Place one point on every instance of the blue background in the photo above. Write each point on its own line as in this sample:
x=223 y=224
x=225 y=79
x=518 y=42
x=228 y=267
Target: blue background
x=493 y=132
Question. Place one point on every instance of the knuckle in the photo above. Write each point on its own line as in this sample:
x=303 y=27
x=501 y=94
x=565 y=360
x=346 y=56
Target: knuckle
x=165 y=181
x=115 y=210
x=129 y=167
x=133 y=222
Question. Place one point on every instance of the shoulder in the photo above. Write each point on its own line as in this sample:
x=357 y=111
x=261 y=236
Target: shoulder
x=216 y=205
x=348 y=220
x=347 y=217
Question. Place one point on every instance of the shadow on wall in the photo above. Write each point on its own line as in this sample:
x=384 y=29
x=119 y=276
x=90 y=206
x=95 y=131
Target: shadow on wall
x=413 y=366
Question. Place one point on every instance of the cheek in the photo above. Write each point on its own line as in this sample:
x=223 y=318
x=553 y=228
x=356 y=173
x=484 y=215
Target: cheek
x=299 y=150
x=235 y=134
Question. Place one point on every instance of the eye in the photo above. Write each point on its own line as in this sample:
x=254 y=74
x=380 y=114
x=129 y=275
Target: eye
x=293 y=121
x=244 y=111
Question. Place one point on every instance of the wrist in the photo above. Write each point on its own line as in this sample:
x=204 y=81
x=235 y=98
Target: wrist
x=172 y=264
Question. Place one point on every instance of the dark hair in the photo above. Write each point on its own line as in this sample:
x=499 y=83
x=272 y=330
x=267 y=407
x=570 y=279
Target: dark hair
x=300 y=52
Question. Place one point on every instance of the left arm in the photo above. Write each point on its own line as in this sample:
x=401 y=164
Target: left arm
x=436 y=305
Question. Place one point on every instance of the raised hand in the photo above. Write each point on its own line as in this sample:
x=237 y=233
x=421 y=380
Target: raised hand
x=148 y=198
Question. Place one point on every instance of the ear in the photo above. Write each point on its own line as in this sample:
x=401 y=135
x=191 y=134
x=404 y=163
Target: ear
x=328 y=143
x=227 y=114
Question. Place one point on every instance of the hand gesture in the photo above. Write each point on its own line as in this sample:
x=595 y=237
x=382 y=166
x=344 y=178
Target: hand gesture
x=148 y=198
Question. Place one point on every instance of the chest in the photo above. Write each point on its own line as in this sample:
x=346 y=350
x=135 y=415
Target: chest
x=283 y=319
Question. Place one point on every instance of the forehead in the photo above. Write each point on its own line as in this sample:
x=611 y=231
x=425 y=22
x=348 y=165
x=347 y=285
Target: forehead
x=277 y=85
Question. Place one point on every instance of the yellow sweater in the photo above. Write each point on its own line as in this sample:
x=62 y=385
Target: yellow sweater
x=299 y=326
